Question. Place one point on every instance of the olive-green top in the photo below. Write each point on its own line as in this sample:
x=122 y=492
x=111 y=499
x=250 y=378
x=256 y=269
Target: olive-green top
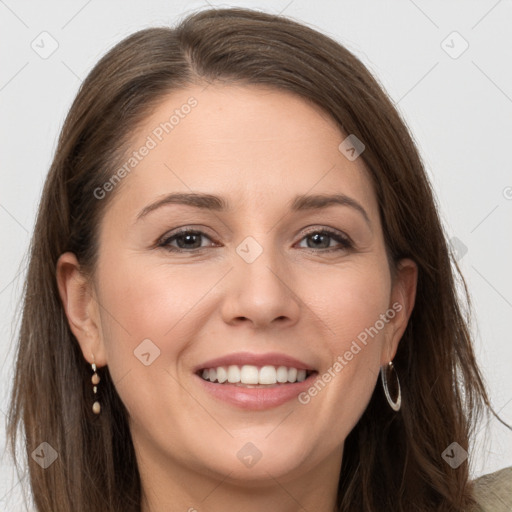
x=493 y=492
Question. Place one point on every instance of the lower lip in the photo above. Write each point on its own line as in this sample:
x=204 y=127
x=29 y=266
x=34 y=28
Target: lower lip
x=256 y=398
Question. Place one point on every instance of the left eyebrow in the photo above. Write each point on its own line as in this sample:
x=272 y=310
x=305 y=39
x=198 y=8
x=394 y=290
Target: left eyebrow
x=319 y=201
x=218 y=203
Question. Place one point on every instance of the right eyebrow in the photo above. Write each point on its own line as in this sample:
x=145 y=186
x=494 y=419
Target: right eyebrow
x=203 y=201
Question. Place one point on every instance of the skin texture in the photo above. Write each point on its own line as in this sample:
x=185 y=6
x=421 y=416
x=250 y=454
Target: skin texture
x=259 y=148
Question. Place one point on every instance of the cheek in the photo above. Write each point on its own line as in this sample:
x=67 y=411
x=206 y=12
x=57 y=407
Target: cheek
x=150 y=308
x=353 y=336
x=348 y=300
x=148 y=317
x=152 y=300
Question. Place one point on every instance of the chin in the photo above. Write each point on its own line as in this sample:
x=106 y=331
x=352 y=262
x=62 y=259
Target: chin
x=254 y=463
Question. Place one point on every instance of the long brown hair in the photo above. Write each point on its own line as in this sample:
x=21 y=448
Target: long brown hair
x=391 y=461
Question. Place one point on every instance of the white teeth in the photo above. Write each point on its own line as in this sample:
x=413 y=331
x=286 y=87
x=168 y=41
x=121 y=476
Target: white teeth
x=292 y=374
x=222 y=374
x=267 y=375
x=250 y=374
x=282 y=374
x=233 y=374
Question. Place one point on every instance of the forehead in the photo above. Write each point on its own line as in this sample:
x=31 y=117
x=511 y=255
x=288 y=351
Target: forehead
x=243 y=141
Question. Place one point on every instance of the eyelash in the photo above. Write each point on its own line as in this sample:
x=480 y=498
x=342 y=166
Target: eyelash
x=343 y=240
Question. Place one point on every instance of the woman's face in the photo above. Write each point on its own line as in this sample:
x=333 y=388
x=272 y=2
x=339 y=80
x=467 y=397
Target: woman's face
x=259 y=286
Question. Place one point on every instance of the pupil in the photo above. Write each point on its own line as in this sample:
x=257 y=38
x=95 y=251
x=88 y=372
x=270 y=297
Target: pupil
x=188 y=238
x=316 y=238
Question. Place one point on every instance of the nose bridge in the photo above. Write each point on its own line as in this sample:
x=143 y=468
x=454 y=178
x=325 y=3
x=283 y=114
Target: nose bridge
x=260 y=288
x=257 y=263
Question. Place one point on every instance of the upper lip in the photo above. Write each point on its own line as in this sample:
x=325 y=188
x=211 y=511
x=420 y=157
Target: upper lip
x=243 y=358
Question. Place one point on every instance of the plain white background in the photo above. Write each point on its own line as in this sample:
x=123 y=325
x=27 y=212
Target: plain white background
x=457 y=102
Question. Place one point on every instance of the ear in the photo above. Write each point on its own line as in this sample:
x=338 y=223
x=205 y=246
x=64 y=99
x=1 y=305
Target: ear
x=403 y=295
x=81 y=307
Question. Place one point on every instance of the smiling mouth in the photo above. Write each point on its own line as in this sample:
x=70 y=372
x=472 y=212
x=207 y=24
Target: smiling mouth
x=251 y=376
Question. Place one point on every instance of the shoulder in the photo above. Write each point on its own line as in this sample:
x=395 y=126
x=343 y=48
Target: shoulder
x=493 y=492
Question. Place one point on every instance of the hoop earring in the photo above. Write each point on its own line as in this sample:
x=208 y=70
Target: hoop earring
x=386 y=372
x=95 y=379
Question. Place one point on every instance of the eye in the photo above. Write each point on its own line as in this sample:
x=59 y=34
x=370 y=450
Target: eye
x=320 y=240
x=186 y=239
x=189 y=240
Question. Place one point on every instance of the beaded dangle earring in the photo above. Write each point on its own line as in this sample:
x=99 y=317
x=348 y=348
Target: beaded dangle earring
x=95 y=379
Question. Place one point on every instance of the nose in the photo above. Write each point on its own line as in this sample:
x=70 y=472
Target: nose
x=261 y=292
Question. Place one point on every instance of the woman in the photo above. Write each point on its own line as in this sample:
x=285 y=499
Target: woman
x=240 y=294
